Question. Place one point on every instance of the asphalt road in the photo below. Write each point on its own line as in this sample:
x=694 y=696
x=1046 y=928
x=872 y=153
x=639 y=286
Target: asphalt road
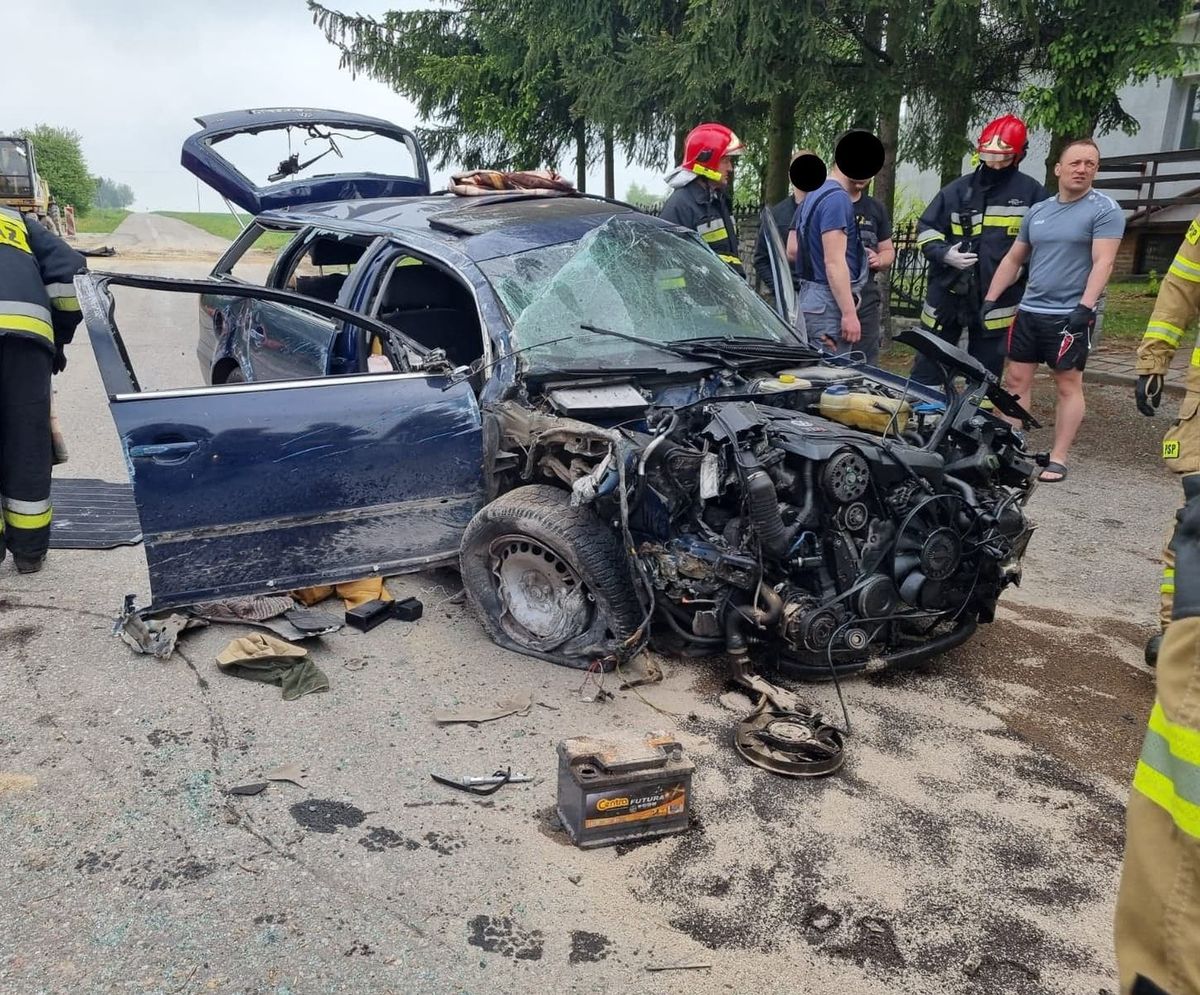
x=971 y=844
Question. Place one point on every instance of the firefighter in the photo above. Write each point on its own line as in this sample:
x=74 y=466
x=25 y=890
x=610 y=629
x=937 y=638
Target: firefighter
x=1176 y=308
x=1158 y=906
x=964 y=233
x=38 y=315
x=701 y=200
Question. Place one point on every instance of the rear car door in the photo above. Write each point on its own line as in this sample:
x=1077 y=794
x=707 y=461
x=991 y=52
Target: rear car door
x=248 y=488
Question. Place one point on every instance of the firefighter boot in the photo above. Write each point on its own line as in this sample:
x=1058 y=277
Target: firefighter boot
x=30 y=566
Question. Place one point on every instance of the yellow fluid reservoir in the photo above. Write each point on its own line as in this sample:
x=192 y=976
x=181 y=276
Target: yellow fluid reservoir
x=866 y=411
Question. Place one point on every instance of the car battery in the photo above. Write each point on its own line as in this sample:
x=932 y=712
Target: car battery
x=616 y=791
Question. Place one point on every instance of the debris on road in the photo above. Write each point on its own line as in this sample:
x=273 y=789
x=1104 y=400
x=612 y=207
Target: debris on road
x=352 y=592
x=152 y=636
x=288 y=772
x=259 y=657
x=488 y=785
x=254 y=788
x=521 y=705
x=279 y=613
x=615 y=791
x=678 y=967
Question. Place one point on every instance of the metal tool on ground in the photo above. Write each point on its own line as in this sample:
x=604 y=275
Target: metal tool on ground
x=487 y=785
x=616 y=791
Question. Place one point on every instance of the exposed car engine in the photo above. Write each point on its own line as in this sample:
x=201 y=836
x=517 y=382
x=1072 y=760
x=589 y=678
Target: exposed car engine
x=817 y=516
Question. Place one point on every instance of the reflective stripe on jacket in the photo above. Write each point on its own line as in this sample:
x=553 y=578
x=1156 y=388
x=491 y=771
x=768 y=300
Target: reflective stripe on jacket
x=986 y=218
x=705 y=210
x=37 y=289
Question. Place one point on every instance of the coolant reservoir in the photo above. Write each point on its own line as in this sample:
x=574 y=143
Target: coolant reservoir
x=785 y=381
x=866 y=411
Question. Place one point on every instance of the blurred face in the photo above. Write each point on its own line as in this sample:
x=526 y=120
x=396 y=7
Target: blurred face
x=1076 y=168
x=996 y=153
x=726 y=167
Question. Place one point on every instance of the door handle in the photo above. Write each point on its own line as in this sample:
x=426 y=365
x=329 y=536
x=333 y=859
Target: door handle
x=257 y=335
x=164 y=452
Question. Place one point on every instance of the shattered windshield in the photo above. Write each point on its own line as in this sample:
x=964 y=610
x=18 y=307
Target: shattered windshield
x=630 y=277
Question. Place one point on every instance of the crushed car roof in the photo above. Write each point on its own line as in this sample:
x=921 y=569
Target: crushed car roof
x=480 y=227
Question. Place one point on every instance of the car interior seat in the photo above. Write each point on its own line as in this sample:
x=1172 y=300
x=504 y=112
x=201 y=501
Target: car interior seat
x=329 y=252
x=434 y=309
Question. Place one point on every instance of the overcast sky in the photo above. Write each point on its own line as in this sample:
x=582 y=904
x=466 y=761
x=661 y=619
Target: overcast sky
x=130 y=75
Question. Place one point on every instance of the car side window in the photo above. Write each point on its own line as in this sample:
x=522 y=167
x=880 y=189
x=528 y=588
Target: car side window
x=322 y=267
x=253 y=255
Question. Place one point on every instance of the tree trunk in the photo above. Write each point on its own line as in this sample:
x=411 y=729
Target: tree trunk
x=781 y=133
x=867 y=112
x=889 y=133
x=610 y=181
x=1058 y=142
x=581 y=155
x=958 y=119
x=681 y=133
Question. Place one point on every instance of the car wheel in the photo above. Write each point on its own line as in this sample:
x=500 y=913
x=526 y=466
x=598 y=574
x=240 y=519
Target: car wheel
x=235 y=376
x=549 y=580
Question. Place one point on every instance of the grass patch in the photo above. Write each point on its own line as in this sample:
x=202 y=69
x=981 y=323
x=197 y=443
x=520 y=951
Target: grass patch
x=1127 y=309
x=225 y=226
x=100 y=220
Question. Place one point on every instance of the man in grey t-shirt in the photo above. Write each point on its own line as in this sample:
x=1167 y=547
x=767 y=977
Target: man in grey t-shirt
x=1069 y=243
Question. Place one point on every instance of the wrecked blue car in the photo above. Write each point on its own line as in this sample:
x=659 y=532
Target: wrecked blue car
x=612 y=436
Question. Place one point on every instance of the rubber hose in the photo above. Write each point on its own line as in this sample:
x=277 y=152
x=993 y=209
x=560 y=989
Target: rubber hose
x=691 y=637
x=763 y=504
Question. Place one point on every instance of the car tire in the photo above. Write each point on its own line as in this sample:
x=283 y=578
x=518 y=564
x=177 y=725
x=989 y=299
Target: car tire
x=549 y=580
x=235 y=376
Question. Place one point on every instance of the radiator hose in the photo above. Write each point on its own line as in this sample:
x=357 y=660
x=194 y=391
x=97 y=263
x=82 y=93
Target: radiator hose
x=763 y=505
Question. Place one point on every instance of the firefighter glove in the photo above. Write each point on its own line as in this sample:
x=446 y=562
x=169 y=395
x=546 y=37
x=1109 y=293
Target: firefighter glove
x=1081 y=320
x=60 y=359
x=1186 y=545
x=956 y=257
x=1148 y=393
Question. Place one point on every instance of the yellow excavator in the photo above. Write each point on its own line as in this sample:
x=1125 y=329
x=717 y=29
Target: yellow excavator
x=21 y=188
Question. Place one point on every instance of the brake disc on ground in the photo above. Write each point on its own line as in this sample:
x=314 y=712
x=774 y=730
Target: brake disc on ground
x=791 y=743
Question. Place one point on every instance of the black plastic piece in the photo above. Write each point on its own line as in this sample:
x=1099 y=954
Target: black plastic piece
x=408 y=610
x=366 y=617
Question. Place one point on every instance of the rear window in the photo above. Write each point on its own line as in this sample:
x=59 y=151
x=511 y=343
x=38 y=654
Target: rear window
x=253 y=254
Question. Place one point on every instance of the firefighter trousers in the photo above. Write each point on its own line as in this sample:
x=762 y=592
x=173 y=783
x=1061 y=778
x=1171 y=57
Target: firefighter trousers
x=25 y=447
x=948 y=321
x=1158 y=906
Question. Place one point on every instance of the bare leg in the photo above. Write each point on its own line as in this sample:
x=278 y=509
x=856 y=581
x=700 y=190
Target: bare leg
x=1018 y=379
x=1068 y=415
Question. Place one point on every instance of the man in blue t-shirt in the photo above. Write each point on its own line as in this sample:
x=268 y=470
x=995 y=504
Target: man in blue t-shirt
x=831 y=264
x=1069 y=243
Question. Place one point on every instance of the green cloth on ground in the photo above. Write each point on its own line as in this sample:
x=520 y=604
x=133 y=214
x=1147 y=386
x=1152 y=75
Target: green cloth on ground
x=259 y=657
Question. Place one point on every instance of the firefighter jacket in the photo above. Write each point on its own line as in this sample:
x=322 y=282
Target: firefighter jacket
x=706 y=210
x=983 y=210
x=1175 y=309
x=37 y=289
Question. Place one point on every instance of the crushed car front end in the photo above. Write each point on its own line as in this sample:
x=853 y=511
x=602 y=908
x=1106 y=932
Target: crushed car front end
x=769 y=500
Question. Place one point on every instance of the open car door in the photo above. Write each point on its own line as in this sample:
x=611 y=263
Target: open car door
x=304 y=155
x=781 y=269
x=252 y=488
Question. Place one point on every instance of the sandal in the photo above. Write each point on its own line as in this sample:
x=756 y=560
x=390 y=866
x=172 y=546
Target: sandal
x=1053 y=467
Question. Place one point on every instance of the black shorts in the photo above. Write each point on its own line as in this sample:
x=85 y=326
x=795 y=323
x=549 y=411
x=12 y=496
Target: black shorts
x=1045 y=338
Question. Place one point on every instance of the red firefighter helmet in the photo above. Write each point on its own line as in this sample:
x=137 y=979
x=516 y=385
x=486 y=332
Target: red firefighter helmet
x=1003 y=138
x=706 y=145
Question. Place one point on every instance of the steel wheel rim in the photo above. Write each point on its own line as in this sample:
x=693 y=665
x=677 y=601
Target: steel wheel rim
x=543 y=600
